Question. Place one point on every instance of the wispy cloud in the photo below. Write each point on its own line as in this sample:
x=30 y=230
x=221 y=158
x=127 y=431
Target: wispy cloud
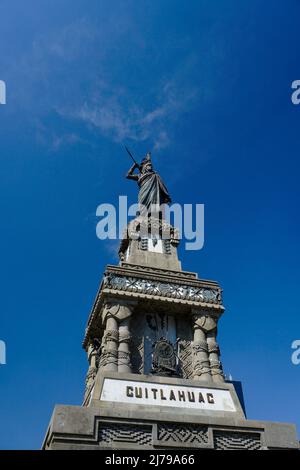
x=54 y=139
x=73 y=71
x=114 y=115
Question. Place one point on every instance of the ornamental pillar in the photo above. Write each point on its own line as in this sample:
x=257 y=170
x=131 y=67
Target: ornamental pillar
x=115 y=355
x=214 y=357
x=109 y=356
x=92 y=354
x=124 y=364
x=92 y=359
x=201 y=361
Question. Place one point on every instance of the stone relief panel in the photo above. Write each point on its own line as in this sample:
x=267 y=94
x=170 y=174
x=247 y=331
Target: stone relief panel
x=186 y=359
x=182 y=434
x=224 y=440
x=157 y=325
x=137 y=343
x=112 y=433
x=185 y=350
x=176 y=434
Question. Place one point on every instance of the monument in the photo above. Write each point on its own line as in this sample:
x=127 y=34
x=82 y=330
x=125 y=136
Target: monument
x=155 y=379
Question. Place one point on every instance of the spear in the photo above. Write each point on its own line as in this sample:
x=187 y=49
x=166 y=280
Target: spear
x=130 y=154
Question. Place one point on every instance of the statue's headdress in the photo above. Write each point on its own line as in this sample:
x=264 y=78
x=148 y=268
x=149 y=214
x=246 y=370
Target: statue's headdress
x=146 y=159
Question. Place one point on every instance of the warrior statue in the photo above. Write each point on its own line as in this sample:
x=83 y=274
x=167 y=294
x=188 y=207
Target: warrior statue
x=152 y=191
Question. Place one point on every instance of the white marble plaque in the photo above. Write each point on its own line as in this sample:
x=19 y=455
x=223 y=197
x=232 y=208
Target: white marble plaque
x=179 y=396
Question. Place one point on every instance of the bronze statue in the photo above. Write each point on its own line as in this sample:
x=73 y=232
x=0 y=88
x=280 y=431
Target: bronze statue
x=152 y=191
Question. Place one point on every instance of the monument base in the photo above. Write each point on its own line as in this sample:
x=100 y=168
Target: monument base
x=131 y=411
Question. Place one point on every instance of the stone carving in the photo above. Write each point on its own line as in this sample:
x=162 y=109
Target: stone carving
x=224 y=440
x=89 y=381
x=124 y=337
x=188 y=433
x=143 y=227
x=118 y=310
x=109 y=354
x=110 y=336
x=206 y=350
x=164 y=358
x=129 y=433
x=143 y=244
x=115 y=350
x=201 y=368
x=124 y=360
x=148 y=269
x=206 y=322
x=162 y=289
x=124 y=364
x=137 y=344
x=214 y=347
x=109 y=358
x=216 y=368
x=91 y=374
x=200 y=346
x=186 y=358
x=116 y=433
x=201 y=364
x=93 y=358
x=110 y=340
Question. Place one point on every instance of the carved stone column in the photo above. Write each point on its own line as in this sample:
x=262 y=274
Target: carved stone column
x=201 y=365
x=124 y=364
x=110 y=340
x=214 y=357
x=92 y=354
x=116 y=339
x=92 y=358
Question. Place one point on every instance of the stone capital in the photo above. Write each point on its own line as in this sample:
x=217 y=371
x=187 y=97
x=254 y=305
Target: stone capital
x=119 y=310
x=203 y=321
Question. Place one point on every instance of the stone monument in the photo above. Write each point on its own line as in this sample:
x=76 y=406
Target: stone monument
x=155 y=379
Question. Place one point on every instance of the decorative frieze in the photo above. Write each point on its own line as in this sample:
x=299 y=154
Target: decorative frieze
x=138 y=435
x=161 y=289
x=157 y=271
x=169 y=433
x=226 y=440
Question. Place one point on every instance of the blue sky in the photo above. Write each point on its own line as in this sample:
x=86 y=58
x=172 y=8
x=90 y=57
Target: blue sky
x=206 y=86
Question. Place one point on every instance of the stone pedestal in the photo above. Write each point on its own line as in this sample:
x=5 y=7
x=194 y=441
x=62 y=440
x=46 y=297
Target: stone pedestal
x=216 y=422
x=155 y=379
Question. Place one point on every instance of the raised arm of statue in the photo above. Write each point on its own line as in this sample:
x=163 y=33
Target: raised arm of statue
x=130 y=175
